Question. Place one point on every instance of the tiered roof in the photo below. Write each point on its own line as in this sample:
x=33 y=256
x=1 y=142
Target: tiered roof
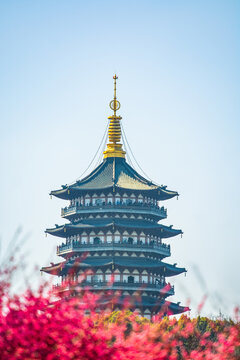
x=118 y=262
x=114 y=224
x=114 y=173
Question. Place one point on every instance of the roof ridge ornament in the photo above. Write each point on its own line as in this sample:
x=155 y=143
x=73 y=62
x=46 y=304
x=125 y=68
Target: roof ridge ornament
x=114 y=147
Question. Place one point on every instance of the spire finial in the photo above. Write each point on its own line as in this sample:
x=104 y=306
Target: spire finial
x=114 y=148
x=115 y=104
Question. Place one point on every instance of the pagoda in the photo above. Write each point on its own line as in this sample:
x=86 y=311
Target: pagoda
x=114 y=239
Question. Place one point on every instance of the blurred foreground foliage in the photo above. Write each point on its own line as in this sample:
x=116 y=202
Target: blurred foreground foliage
x=38 y=325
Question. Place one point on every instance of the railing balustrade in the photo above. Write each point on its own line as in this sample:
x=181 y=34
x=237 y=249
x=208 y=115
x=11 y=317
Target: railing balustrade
x=143 y=206
x=140 y=285
x=162 y=248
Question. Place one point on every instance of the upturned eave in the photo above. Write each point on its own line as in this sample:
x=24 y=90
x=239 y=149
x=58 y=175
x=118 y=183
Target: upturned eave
x=66 y=230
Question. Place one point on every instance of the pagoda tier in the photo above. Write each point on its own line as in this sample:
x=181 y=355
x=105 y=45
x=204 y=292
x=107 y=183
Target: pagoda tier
x=113 y=241
x=156 y=291
x=148 y=305
x=99 y=209
x=109 y=224
x=159 y=268
x=111 y=176
x=152 y=249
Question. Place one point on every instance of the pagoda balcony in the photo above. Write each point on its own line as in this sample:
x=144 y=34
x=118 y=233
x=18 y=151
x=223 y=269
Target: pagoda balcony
x=163 y=288
x=161 y=249
x=137 y=208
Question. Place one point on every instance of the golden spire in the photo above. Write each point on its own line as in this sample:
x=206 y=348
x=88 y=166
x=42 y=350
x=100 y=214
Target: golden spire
x=114 y=148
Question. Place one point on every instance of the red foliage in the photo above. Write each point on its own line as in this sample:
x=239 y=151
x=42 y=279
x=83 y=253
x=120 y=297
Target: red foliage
x=35 y=326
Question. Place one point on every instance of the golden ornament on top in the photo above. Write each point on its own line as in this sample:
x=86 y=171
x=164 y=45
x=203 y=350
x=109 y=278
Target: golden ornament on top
x=115 y=105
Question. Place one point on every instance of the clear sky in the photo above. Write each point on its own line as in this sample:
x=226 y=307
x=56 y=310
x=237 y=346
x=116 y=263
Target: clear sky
x=178 y=68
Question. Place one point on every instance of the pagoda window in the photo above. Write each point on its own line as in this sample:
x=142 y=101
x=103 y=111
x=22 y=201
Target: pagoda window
x=84 y=239
x=133 y=198
x=117 y=277
x=144 y=278
x=81 y=277
x=101 y=237
x=110 y=198
x=124 y=199
x=99 y=277
x=142 y=239
x=128 y=201
x=99 y=202
x=94 y=198
x=140 y=199
x=89 y=278
x=130 y=279
x=96 y=240
x=87 y=202
x=117 y=238
x=102 y=198
x=130 y=240
x=134 y=239
x=108 y=277
x=94 y=278
x=117 y=199
x=136 y=278
x=109 y=238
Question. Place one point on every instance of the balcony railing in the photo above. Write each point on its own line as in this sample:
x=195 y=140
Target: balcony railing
x=120 y=207
x=162 y=249
x=117 y=285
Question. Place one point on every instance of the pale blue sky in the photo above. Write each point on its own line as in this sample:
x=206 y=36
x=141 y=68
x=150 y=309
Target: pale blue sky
x=178 y=68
